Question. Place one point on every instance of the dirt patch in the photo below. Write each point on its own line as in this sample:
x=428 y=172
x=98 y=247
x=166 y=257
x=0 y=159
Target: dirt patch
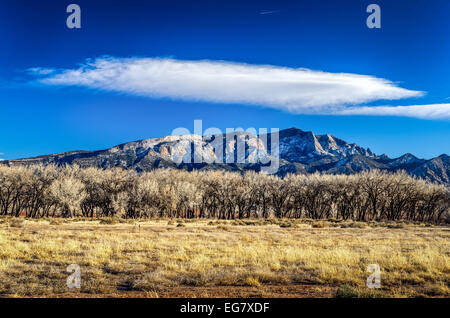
x=266 y=291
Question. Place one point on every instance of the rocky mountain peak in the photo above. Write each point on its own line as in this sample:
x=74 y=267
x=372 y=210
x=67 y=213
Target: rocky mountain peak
x=300 y=152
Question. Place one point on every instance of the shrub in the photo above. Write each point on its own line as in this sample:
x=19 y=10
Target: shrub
x=359 y=225
x=252 y=281
x=16 y=223
x=55 y=222
x=396 y=226
x=109 y=221
x=223 y=227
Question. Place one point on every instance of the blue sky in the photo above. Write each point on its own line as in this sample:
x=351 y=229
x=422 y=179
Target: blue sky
x=67 y=110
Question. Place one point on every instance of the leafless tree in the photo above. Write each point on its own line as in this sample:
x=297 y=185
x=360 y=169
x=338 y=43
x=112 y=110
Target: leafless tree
x=38 y=191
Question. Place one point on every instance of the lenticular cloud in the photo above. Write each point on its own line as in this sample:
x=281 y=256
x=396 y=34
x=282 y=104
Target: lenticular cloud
x=296 y=90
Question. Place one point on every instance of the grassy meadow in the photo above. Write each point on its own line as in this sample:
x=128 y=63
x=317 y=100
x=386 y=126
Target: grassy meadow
x=211 y=258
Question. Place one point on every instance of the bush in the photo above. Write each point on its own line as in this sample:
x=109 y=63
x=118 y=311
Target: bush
x=359 y=225
x=223 y=227
x=396 y=226
x=55 y=222
x=252 y=281
x=109 y=221
x=16 y=223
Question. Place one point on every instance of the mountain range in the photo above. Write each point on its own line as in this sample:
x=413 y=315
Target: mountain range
x=299 y=152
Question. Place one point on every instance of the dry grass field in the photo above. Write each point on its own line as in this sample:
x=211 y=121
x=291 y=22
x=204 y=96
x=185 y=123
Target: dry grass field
x=204 y=258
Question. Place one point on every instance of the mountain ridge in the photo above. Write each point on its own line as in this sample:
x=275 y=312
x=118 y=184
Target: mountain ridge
x=300 y=152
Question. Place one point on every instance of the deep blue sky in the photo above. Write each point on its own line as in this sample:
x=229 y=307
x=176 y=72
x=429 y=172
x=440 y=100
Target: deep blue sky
x=412 y=48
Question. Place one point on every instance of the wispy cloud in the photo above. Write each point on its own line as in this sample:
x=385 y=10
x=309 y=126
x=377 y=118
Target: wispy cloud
x=296 y=90
x=432 y=111
x=269 y=12
x=40 y=70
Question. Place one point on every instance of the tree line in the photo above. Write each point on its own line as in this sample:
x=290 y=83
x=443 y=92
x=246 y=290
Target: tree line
x=70 y=191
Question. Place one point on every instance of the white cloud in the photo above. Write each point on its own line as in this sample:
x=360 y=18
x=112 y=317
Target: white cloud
x=295 y=90
x=433 y=111
x=40 y=70
x=269 y=12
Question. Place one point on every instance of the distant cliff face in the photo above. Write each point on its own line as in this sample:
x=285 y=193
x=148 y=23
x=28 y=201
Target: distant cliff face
x=299 y=152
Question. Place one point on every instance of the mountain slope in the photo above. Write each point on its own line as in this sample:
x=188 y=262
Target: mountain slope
x=435 y=170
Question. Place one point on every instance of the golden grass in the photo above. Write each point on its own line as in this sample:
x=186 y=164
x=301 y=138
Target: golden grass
x=160 y=258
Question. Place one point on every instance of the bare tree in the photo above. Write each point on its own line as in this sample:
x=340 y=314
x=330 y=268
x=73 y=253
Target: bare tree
x=38 y=191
